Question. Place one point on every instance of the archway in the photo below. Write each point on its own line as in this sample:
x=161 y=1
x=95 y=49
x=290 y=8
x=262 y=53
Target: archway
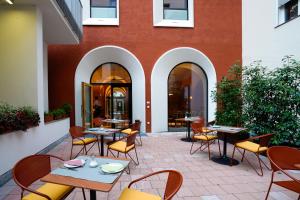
x=112 y=54
x=159 y=83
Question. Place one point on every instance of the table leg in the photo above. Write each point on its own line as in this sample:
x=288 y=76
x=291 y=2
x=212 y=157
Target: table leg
x=188 y=138
x=93 y=195
x=224 y=160
x=102 y=145
x=114 y=135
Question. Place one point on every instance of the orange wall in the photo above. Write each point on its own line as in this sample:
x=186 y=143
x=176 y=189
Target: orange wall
x=217 y=33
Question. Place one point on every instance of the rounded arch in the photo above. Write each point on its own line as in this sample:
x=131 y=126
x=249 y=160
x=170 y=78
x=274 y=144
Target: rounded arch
x=159 y=83
x=112 y=54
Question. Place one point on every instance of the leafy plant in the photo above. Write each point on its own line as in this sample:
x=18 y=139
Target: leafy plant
x=272 y=101
x=58 y=113
x=67 y=108
x=228 y=97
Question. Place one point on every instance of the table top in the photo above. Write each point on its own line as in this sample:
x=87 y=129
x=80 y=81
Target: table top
x=81 y=183
x=226 y=129
x=188 y=119
x=101 y=131
x=115 y=121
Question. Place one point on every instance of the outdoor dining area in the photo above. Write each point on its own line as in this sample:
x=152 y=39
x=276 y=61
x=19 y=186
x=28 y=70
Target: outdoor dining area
x=111 y=163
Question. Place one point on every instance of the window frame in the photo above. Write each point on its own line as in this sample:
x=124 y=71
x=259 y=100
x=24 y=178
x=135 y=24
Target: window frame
x=100 y=21
x=281 y=13
x=158 y=16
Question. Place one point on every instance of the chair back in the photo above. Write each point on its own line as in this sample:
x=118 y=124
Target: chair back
x=97 y=122
x=174 y=183
x=30 y=169
x=131 y=139
x=197 y=126
x=283 y=158
x=264 y=141
x=76 y=131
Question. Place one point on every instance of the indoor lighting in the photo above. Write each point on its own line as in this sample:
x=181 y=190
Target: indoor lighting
x=9 y=1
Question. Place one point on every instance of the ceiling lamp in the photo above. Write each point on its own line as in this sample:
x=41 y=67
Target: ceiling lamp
x=9 y=2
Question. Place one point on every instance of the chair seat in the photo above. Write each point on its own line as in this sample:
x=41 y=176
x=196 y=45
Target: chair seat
x=128 y=131
x=85 y=140
x=291 y=185
x=205 y=137
x=120 y=146
x=54 y=191
x=131 y=194
x=251 y=146
x=205 y=130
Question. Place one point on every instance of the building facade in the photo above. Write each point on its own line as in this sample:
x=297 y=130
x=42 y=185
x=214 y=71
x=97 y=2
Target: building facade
x=149 y=40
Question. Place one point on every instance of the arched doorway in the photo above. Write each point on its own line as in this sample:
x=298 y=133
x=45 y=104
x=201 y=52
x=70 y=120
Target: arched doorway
x=159 y=83
x=111 y=54
x=112 y=92
x=187 y=94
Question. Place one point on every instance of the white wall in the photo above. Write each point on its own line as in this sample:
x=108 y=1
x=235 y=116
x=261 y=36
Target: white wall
x=18 y=55
x=17 y=145
x=262 y=39
x=159 y=83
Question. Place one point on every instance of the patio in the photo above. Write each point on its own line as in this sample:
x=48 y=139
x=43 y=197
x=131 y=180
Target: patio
x=203 y=179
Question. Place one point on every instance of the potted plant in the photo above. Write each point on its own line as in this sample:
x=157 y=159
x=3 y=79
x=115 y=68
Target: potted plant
x=58 y=113
x=48 y=117
x=67 y=108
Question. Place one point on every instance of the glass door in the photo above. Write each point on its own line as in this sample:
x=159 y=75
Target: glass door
x=121 y=103
x=87 y=102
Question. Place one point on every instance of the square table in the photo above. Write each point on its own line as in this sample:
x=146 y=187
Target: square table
x=226 y=131
x=101 y=132
x=93 y=186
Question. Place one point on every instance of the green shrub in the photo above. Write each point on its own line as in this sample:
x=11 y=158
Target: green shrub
x=67 y=108
x=58 y=113
x=228 y=97
x=272 y=101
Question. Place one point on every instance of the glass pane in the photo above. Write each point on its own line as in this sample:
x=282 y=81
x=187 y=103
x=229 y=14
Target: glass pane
x=176 y=4
x=110 y=73
x=87 y=114
x=120 y=102
x=102 y=96
x=176 y=14
x=187 y=93
x=176 y=9
x=103 y=9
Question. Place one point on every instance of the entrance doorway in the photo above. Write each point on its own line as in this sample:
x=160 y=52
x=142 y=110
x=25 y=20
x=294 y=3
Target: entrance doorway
x=187 y=94
x=110 y=91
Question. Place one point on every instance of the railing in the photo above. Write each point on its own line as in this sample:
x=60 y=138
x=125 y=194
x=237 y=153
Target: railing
x=72 y=10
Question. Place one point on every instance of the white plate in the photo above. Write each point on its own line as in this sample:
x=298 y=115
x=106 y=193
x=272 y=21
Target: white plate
x=112 y=168
x=72 y=166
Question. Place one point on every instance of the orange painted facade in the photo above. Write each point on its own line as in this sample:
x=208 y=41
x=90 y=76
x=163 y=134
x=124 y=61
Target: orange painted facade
x=217 y=33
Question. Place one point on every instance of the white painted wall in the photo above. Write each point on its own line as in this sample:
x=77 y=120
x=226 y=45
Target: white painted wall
x=18 y=57
x=159 y=83
x=105 y=54
x=17 y=145
x=262 y=39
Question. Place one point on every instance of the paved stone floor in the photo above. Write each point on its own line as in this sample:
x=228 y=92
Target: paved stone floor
x=203 y=179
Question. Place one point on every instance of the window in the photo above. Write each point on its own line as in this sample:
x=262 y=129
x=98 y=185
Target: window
x=103 y=9
x=287 y=10
x=176 y=9
x=173 y=13
x=101 y=12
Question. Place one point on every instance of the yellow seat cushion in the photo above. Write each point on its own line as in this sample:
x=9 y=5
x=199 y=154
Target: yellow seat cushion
x=207 y=137
x=131 y=194
x=120 y=146
x=86 y=141
x=126 y=131
x=251 y=146
x=54 y=191
x=205 y=130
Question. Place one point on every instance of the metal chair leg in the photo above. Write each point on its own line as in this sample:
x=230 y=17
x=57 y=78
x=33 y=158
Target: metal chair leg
x=232 y=157
x=208 y=150
x=270 y=186
x=243 y=155
x=83 y=193
x=71 y=151
x=219 y=148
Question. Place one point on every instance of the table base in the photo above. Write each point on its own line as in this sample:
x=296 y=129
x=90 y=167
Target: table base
x=225 y=160
x=93 y=195
x=186 y=139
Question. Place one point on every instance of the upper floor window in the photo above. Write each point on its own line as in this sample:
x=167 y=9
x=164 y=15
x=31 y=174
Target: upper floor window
x=103 y=9
x=100 y=12
x=176 y=9
x=173 y=13
x=287 y=10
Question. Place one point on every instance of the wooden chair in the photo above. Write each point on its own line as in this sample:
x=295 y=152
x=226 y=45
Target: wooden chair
x=79 y=139
x=205 y=136
x=174 y=183
x=97 y=122
x=282 y=159
x=32 y=168
x=256 y=148
x=134 y=128
x=124 y=145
